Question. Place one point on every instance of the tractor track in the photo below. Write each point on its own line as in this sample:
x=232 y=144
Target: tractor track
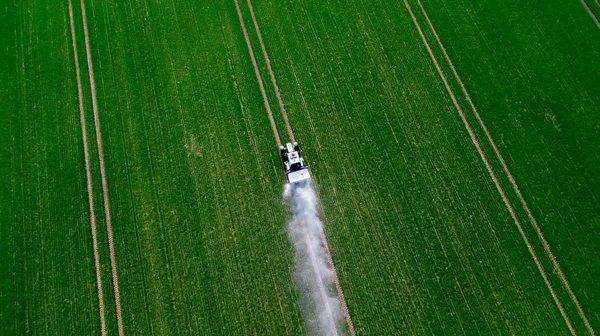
x=532 y=219
x=491 y=172
x=589 y=10
x=338 y=287
x=272 y=74
x=319 y=281
x=112 y=254
x=291 y=135
x=88 y=174
x=257 y=73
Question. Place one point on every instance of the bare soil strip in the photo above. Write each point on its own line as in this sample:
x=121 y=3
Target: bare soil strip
x=272 y=74
x=589 y=10
x=257 y=73
x=534 y=222
x=491 y=172
x=111 y=246
x=88 y=175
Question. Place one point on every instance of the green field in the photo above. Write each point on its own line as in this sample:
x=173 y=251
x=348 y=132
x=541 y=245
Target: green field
x=422 y=240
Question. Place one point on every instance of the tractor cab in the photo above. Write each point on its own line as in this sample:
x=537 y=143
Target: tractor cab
x=293 y=163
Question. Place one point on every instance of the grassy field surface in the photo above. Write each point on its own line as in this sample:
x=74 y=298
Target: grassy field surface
x=538 y=97
x=199 y=223
x=48 y=279
x=422 y=240
x=375 y=95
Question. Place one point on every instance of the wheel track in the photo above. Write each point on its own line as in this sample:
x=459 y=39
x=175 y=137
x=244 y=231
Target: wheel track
x=491 y=172
x=88 y=177
x=315 y=267
x=589 y=11
x=534 y=222
x=291 y=134
x=271 y=74
x=257 y=73
x=111 y=247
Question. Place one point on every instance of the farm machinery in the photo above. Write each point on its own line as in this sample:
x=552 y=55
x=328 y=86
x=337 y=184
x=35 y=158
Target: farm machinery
x=293 y=163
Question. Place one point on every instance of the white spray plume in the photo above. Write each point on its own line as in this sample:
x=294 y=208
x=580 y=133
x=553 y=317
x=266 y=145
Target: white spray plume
x=321 y=306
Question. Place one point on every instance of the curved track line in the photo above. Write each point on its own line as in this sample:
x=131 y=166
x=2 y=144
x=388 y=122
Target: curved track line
x=272 y=74
x=589 y=10
x=511 y=178
x=257 y=73
x=491 y=172
x=88 y=176
x=111 y=246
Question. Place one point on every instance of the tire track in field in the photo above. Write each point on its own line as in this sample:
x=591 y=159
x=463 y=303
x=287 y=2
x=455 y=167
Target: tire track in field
x=257 y=73
x=271 y=74
x=338 y=287
x=111 y=246
x=491 y=172
x=88 y=175
x=534 y=222
x=589 y=10
x=320 y=284
x=291 y=134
